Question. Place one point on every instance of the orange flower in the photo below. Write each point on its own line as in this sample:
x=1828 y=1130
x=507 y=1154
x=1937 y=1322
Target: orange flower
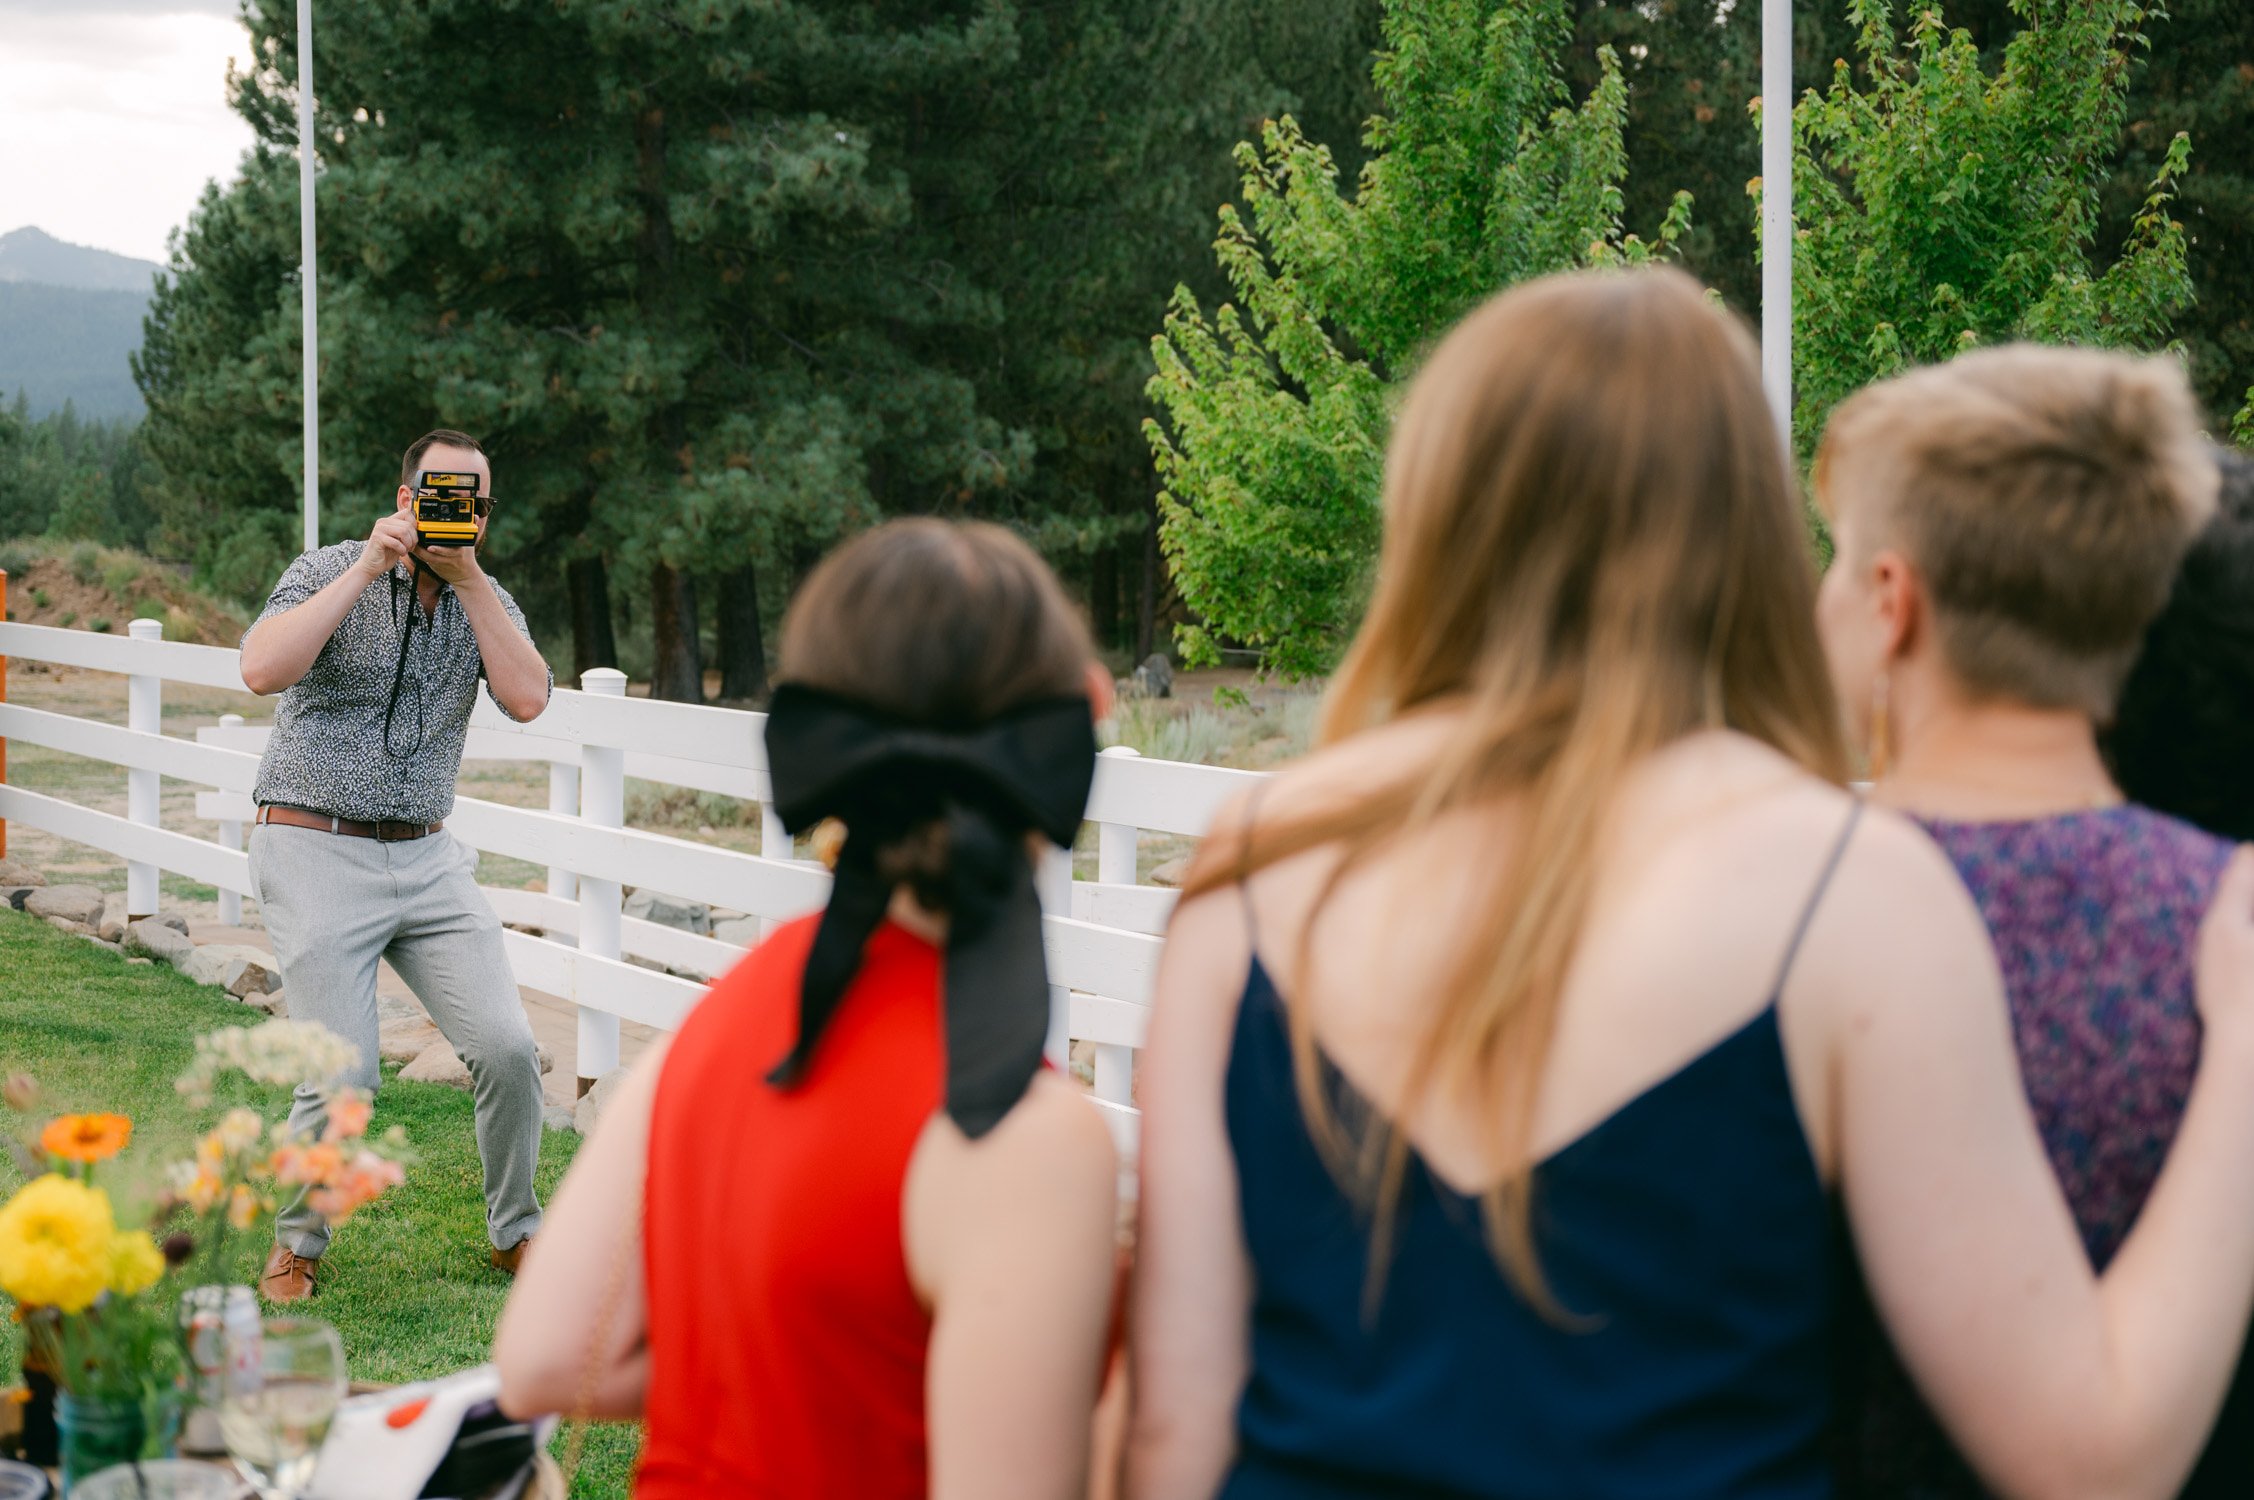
x=348 y=1115
x=306 y=1166
x=86 y=1138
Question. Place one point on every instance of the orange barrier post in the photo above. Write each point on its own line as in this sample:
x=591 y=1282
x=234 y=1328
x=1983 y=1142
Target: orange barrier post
x=3 y=699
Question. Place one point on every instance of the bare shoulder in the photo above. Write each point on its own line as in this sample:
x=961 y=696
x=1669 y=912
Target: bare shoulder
x=1051 y=1139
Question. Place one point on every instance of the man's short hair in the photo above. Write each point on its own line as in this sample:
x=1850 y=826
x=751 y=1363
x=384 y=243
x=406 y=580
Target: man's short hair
x=2045 y=496
x=436 y=437
x=2183 y=739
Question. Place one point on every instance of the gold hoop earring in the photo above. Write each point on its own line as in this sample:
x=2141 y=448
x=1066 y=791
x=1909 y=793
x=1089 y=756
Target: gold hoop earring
x=1881 y=749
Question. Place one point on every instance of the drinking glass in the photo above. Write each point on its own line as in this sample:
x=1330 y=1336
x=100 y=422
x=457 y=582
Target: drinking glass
x=275 y=1419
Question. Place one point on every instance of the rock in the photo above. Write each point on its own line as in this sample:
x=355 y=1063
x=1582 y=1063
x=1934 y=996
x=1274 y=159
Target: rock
x=392 y=1008
x=668 y=911
x=81 y=904
x=110 y=925
x=142 y=961
x=558 y=1117
x=405 y=1038
x=276 y=1004
x=1156 y=675
x=158 y=940
x=723 y=914
x=101 y=943
x=438 y=1064
x=591 y=1103
x=235 y=968
x=65 y=924
x=16 y=872
x=742 y=931
x=546 y=1059
x=1171 y=873
x=171 y=919
x=14 y=895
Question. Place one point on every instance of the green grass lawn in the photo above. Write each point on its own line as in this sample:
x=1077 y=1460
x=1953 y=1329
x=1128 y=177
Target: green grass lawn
x=405 y=1283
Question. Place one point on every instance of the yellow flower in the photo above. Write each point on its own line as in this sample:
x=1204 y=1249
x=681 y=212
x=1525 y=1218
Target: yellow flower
x=242 y=1207
x=55 y=1244
x=135 y=1263
x=86 y=1138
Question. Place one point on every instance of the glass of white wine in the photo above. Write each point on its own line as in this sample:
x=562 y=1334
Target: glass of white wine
x=275 y=1417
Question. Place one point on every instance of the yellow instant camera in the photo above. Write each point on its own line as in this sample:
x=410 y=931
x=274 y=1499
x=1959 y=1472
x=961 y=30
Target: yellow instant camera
x=446 y=509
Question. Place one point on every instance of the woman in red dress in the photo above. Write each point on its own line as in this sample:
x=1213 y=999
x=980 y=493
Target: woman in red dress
x=876 y=1234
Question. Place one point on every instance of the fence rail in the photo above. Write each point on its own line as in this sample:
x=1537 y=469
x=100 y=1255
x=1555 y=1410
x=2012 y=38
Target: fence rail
x=1101 y=936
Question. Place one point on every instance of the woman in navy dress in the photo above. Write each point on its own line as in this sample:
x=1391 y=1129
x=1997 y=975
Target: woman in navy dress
x=1517 y=1057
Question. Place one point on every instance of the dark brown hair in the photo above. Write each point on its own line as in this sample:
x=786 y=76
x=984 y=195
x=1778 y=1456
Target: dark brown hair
x=938 y=623
x=2046 y=495
x=436 y=437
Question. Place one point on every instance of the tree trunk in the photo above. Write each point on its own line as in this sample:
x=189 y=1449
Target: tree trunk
x=678 y=672
x=743 y=652
x=1103 y=595
x=1146 y=616
x=592 y=643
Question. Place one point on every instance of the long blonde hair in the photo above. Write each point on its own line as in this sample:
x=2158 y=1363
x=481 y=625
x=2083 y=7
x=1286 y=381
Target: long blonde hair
x=1593 y=542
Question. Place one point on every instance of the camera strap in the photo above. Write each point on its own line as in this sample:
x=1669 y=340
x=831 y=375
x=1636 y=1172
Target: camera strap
x=399 y=672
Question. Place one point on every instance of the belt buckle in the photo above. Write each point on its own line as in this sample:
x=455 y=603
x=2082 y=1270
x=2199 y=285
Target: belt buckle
x=383 y=838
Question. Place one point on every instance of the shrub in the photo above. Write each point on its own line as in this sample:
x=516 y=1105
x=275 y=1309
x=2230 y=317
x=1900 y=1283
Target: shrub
x=100 y=625
x=39 y=598
x=120 y=576
x=179 y=625
x=70 y=618
x=85 y=562
x=15 y=561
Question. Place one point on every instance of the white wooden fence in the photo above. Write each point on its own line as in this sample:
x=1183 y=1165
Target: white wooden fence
x=1101 y=935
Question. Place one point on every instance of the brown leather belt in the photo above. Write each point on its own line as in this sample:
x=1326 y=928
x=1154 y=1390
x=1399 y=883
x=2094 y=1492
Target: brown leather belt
x=382 y=831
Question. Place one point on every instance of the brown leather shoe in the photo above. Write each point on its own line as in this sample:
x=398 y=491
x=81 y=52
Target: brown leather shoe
x=288 y=1276
x=507 y=1261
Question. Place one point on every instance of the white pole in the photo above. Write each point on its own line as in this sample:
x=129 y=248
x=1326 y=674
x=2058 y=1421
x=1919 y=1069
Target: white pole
x=306 y=273
x=1776 y=209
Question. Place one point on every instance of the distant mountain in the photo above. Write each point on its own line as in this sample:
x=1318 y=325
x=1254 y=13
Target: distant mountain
x=30 y=254
x=70 y=319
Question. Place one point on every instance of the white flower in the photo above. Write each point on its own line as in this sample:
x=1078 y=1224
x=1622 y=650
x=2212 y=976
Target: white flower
x=239 y=1130
x=281 y=1051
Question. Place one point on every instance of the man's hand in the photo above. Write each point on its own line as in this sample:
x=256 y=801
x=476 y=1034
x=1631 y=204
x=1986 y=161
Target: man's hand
x=457 y=565
x=390 y=541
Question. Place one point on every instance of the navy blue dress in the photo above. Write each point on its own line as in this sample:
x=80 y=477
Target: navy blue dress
x=1689 y=1236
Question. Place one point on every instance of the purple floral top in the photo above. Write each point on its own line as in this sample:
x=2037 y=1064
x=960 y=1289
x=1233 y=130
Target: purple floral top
x=2095 y=917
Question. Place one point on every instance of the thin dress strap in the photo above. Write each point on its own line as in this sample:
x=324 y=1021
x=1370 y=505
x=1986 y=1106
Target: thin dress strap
x=1815 y=897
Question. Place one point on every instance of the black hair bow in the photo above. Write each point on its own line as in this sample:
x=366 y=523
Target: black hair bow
x=1028 y=770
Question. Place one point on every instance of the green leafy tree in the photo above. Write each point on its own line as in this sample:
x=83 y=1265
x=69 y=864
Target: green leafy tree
x=1482 y=171
x=1940 y=206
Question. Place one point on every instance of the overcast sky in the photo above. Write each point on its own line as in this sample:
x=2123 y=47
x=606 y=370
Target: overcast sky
x=113 y=115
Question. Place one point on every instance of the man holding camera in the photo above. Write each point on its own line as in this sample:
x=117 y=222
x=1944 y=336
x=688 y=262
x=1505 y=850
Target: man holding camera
x=377 y=648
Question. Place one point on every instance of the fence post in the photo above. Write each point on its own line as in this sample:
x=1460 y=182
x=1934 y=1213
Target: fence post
x=774 y=843
x=144 y=713
x=563 y=797
x=1053 y=880
x=602 y=801
x=1115 y=865
x=231 y=835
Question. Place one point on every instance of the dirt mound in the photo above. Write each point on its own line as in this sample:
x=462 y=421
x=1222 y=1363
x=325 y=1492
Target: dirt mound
x=84 y=587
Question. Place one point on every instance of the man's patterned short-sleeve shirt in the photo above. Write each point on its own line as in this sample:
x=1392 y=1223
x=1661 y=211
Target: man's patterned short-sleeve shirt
x=328 y=751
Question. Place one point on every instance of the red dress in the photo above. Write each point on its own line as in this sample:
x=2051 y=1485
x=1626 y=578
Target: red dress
x=786 y=1343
